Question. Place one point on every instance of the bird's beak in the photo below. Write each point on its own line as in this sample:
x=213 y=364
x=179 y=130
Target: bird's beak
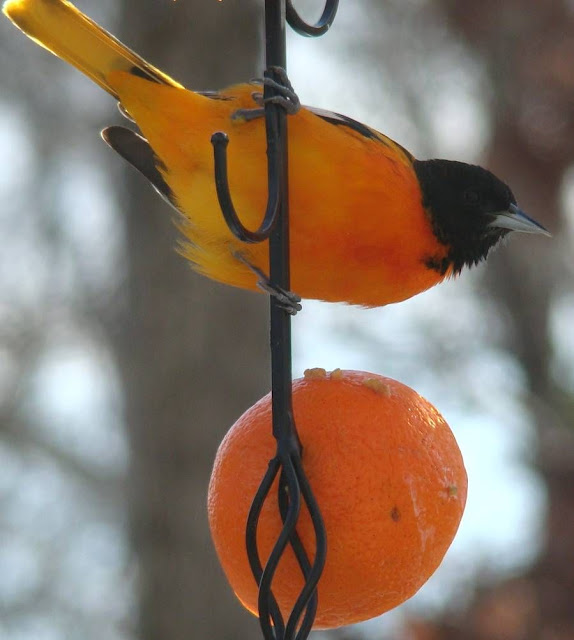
x=516 y=220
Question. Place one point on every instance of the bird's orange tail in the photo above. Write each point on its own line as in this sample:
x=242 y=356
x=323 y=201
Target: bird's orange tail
x=65 y=31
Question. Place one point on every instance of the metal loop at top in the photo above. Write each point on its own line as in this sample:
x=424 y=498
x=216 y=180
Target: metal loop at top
x=312 y=30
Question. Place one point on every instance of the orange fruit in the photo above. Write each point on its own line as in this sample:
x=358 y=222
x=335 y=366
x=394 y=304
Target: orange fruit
x=389 y=479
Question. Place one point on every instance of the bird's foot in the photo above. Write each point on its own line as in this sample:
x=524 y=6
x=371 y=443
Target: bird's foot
x=285 y=96
x=287 y=300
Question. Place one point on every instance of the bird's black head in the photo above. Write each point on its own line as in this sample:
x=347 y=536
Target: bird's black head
x=470 y=211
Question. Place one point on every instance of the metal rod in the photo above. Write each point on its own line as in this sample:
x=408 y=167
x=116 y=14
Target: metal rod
x=293 y=486
x=280 y=330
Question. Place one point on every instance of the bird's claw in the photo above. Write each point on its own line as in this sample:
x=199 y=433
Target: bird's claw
x=286 y=300
x=285 y=96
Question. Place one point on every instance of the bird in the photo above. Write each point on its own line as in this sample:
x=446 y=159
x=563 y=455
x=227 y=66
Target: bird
x=370 y=224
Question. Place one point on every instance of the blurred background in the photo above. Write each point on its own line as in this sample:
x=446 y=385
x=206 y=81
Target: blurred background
x=120 y=369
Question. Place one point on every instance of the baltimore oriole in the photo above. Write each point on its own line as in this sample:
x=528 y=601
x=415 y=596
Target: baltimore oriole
x=370 y=224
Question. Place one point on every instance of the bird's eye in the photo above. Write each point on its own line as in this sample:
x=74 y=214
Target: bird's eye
x=471 y=196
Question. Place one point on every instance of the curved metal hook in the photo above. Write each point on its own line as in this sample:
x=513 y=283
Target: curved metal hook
x=220 y=140
x=312 y=30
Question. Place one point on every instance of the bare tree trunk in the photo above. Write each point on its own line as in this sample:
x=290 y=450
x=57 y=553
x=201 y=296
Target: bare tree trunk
x=192 y=353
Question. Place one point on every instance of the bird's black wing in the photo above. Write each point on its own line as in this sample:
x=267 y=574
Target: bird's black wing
x=137 y=151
